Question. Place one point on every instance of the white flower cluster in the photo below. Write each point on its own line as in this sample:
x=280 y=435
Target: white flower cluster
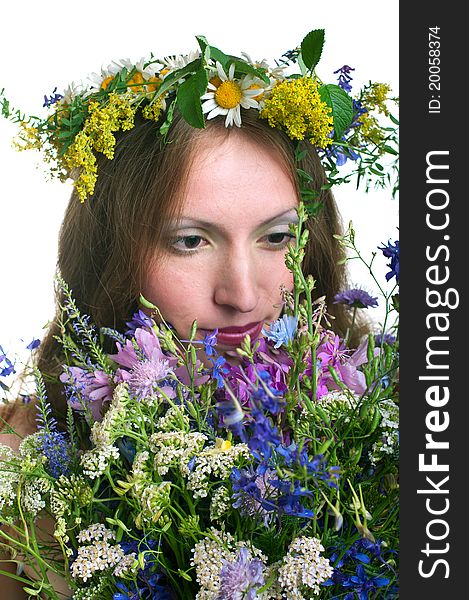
x=216 y=461
x=220 y=503
x=70 y=490
x=33 y=495
x=175 y=419
x=153 y=501
x=175 y=449
x=389 y=425
x=303 y=567
x=338 y=399
x=100 y=555
x=208 y=559
x=95 y=461
x=9 y=478
x=102 y=432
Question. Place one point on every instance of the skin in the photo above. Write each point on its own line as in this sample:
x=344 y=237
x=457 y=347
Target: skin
x=224 y=263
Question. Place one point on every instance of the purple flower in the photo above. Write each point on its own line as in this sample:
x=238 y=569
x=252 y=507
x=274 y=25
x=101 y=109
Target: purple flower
x=344 y=78
x=356 y=298
x=139 y=319
x=387 y=338
x=391 y=251
x=253 y=491
x=364 y=585
x=145 y=364
x=7 y=368
x=56 y=449
x=209 y=342
x=219 y=369
x=282 y=331
x=52 y=99
x=239 y=580
x=86 y=389
x=34 y=344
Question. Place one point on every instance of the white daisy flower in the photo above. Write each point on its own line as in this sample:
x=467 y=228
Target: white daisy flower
x=173 y=63
x=230 y=95
x=276 y=73
x=99 y=81
x=148 y=72
x=74 y=89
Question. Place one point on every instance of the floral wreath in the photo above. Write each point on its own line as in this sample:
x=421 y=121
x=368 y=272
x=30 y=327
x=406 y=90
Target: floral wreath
x=83 y=120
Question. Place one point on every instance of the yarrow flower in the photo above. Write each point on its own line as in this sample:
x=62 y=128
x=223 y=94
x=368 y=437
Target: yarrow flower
x=356 y=298
x=391 y=251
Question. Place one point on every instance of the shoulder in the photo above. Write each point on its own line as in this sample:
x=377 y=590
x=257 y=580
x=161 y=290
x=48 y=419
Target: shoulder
x=19 y=417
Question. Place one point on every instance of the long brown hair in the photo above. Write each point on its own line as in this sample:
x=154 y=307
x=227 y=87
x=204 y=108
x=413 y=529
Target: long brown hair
x=105 y=244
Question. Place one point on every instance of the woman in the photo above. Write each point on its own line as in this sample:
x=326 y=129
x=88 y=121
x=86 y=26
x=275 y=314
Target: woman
x=197 y=221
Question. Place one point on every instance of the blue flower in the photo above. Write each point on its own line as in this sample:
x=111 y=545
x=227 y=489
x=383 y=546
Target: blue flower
x=34 y=344
x=241 y=579
x=344 y=78
x=56 y=449
x=364 y=585
x=391 y=251
x=52 y=99
x=219 y=369
x=7 y=368
x=356 y=298
x=282 y=331
x=387 y=338
x=209 y=342
x=139 y=320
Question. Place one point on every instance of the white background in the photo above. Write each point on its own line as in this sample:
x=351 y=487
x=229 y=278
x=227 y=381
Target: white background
x=44 y=45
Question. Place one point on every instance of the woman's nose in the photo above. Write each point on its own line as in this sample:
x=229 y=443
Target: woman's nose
x=237 y=283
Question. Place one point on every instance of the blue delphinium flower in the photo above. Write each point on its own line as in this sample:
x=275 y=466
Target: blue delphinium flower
x=209 y=342
x=356 y=298
x=363 y=584
x=219 y=369
x=252 y=491
x=391 y=251
x=282 y=331
x=241 y=579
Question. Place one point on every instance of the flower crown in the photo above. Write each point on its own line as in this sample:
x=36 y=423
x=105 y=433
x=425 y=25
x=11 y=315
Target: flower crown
x=83 y=120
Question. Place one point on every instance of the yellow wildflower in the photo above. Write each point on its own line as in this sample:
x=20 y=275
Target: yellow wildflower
x=103 y=121
x=295 y=106
x=152 y=111
x=80 y=162
x=375 y=97
x=370 y=130
x=28 y=138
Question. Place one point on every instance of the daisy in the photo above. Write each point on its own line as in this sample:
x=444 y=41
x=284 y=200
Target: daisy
x=173 y=63
x=276 y=73
x=100 y=81
x=226 y=95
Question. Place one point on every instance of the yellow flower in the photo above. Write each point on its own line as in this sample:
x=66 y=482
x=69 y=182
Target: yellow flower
x=370 y=130
x=80 y=162
x=376 y=96
x=295 y=106
x=28 y=139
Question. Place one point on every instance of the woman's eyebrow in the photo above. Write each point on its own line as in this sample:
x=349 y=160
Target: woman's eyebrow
x=288 y=216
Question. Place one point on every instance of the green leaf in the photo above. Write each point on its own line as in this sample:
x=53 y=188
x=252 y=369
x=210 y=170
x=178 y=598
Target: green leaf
x=311 y=48
x=390 y=150
x=341 y=104
x=191 y=67
x=242 y=66
x=188 y=98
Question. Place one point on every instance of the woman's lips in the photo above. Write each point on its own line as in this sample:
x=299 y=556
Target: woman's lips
x=234 y=336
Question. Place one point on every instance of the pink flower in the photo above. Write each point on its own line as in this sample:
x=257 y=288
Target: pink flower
x=92 y=388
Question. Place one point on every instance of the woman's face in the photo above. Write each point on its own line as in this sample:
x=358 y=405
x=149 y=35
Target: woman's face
x=225 y=260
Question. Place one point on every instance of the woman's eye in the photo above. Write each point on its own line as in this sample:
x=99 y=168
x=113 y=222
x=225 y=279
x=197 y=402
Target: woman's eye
x=280 y=238
x=187 y=243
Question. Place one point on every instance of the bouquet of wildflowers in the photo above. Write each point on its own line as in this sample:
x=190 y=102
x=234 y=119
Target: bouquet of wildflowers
x=271 y=478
